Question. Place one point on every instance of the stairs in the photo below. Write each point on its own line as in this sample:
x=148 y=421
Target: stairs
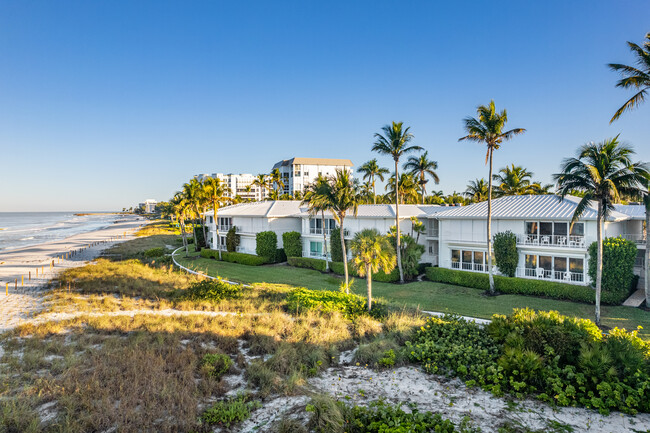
x=636 y=299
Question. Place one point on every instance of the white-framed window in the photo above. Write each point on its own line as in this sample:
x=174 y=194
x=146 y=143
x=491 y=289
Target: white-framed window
x=559 y=268
x=469 y=260
x=315 y=248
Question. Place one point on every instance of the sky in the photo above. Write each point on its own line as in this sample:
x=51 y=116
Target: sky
x=104 y=104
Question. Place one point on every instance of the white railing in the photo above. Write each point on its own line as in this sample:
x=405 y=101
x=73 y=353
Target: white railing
x=433 y=233
x=547 y=274
x=465 y=266
x=634 y=237
x=569 y=241
x=319 y=231
x=223 y=228
x=316 y=255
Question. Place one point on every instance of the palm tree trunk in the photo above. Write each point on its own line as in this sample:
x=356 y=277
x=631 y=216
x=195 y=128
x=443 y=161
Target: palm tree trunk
x=489 y=229
x=345 y=257
x=397 y=239
x=599 y=261
x=205 y=236
x=369 y=282
x=324 y=239
x=646 y=279
x=374 y=191
x=216 y=228
x=184 y=236
x=196 y=244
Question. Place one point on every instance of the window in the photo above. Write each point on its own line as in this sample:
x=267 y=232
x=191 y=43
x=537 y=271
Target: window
x=467 y=257
x=478 y=257
x=560 y=229
x=578 y=229
x=531 y=261
x=545 y=229
x=531 y=228
x=455 y=256
x=315 y=248
x=576 y=265
x=560 y=264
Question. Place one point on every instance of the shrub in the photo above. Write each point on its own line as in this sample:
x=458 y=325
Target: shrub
x=154 y=252
x=241 y=258
x=618 y=265
x=266 y=245
x=279 y=256
x=211 y=290
x=505 y=253
x=198 y=232
x=335 y=245
x=292 y=244
x=391 y=277
x=216 y=364
x=522 y=286
x=232 y=240
x=229 y=412
x=349 y=305
x=306 y=262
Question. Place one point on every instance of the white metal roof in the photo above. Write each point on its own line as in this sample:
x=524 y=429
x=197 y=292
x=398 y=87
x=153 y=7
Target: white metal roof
x=634 y=211
x=550 y=207
x=388 y=211
x=268 y=209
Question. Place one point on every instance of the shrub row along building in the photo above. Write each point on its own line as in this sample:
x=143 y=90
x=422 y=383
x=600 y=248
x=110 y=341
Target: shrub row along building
x=455 y=237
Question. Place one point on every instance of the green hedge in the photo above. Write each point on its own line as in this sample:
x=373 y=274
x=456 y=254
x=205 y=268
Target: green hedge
x=266 y=244
x=241 y=258
x=306 y=262
x=349 y=305
x=505 y=253
x=522 y=286
x=292 y=244
x=232 y=240
x=619 y=256
x=335 y=245
x=154 y=252
x=381 y=276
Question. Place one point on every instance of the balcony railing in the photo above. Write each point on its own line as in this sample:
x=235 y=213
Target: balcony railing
x=547 y=274
x=639 y=238
x=569 y=241
x=319 y=231
x=432 y=232
x=465 y=266
x=317 y=255
x=224 y=228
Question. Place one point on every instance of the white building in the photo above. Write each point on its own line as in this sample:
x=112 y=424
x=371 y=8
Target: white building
x=149 y=206
x=237 y=185
x=298 y=173
x=455 y=237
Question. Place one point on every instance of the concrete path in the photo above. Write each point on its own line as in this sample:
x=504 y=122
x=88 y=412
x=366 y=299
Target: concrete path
x=636 y=299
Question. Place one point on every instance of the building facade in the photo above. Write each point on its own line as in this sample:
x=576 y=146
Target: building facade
x=237 y=185
x=298 y=173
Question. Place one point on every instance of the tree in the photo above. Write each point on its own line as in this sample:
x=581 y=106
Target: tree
x=512 y=180
x=317 y=200
x=505 y=252
x=181 y=209
x=603 y=172
x=372 y=170
x=408 y=189
x=634 y=77
x=421 y=167
x=215 y=191
x=341 y=198
x=193 y=193
x=488 y=129
x=275 y=181
x=261 y=180
x=372 y=252
x=395 y=142
x=477 y=190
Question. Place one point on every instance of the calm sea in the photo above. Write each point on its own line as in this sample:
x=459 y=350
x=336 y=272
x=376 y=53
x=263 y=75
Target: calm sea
x=22 y=229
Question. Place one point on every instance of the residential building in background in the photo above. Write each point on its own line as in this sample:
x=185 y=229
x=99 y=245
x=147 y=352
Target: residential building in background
x=237 y=185
x=298 y=173
x=149 y=206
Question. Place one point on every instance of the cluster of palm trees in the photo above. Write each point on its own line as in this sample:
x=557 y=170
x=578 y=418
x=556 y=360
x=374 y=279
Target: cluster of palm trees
x=510 y=180
x=194 y=199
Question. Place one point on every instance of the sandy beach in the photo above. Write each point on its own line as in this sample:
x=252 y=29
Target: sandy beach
x=26 y=295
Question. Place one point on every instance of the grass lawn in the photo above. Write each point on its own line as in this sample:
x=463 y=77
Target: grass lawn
x=426 y=295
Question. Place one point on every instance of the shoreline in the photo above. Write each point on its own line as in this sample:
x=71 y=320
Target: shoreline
x=28 y=270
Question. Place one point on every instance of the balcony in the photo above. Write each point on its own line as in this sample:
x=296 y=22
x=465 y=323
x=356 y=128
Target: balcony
x=465 y=266
x=638 y=238
x=319 y=231
x=567 y=241
x=547 y=274
x=432 y=233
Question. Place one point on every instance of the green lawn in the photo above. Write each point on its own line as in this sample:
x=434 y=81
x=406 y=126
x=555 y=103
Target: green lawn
x=427 y=295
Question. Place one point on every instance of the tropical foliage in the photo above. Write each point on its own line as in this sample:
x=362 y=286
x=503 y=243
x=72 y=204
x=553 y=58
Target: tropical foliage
x=505 y=253
x=372 y=251
x=420 y=167
x=371 y=172
x=634 y=77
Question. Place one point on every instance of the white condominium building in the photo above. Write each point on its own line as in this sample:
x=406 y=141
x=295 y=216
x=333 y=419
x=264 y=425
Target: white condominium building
x=298 y=173
x=237 y=185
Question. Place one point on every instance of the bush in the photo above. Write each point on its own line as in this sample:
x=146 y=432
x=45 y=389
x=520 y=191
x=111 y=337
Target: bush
x=349 y=305
x=279 y=256
x=232 y=240
x=335 y=245
x=216 y=364
x=292 y=244
x=154 y=252
x=563 y=360
x=381 y=276
x=229 y=412
x=198 y=232
x=309 y=263
x=522 y=286
x=241 y=258
x=211 y=290
x=619 y=256
x=266 y=245
x=505 y=253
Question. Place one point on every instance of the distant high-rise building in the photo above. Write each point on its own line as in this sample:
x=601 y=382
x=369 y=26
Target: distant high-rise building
x=298 y=173
x=237 y=185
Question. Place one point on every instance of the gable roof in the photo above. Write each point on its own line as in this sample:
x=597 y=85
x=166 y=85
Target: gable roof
x=549 y=207
x=314 y=161
x=634 y=211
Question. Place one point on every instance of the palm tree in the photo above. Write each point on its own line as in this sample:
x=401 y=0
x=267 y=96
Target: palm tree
x=181 y=209
x=372 y=252
x=488 y=129
x=477 y=190
x=261 y=182
x=193 y=193
x=372 y=170
x=275 y=181
x=421 y=166
x=512 y=180
x=604 y=172
x=636 y=77
x=341 y=198
x=395 y=142
x=408 y=189
x=317 y=199
x=215 y=191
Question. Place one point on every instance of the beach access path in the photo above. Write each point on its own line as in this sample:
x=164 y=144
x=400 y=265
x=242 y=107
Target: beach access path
x=26 y=295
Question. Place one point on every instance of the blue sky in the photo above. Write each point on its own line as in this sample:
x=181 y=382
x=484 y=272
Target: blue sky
x=106 y=103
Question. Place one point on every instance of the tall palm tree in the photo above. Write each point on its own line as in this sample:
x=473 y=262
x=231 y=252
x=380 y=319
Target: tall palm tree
x=421 y=166
x=342 y=197
x=181 y=209
x=193 y=193
x=215 y=192
x=372 y=251
x=317 y=200
x=275 y=181
x=395 y=142
x=513 y=180
x=488 y=129
x=635 y=77
x=604 y=172
x=477 y=190
x=408 y=188
x=261 y=182
x=372 y=170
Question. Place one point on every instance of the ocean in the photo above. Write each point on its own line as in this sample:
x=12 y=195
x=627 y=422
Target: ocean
x=23 y=229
